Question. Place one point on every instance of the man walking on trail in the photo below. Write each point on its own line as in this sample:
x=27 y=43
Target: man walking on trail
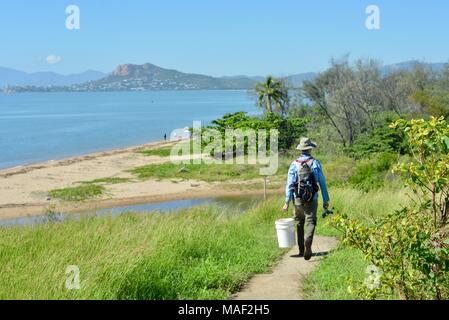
x=305 y=179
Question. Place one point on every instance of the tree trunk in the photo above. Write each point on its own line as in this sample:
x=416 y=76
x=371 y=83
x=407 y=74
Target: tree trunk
x=343 y=140
x=269 y=107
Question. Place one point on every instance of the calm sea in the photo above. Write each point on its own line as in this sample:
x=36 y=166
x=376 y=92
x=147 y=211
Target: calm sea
x=36 y=127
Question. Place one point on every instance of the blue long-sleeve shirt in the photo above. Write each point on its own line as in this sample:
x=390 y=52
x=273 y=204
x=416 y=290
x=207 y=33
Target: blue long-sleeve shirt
x=293 y=177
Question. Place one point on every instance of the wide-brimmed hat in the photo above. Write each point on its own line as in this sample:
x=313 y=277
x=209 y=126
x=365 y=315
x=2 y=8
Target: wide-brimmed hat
x=306 y=144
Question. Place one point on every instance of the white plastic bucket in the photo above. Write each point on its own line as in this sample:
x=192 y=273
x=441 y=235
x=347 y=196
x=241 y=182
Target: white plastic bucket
x=286 y=232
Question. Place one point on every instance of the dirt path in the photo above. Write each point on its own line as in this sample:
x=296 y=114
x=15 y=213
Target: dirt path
x=285 y=282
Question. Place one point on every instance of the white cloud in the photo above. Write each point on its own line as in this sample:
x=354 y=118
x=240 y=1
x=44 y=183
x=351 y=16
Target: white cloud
x=52 y=59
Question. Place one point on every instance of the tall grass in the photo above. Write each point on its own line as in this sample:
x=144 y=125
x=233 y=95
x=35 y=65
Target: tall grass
x=365 y=206
x=200 y=253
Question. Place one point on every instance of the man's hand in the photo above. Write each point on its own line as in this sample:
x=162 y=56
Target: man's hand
x=285 y=207
x=326 y=205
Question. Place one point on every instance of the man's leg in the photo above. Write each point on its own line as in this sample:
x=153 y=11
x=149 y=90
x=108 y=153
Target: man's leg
x=300 y=217
x=310 y=212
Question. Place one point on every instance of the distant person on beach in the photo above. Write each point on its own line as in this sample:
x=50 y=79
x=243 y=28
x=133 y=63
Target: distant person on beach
x=165 y=137
x=305 y=178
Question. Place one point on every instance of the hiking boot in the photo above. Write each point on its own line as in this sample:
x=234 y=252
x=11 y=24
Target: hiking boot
x=308 y=253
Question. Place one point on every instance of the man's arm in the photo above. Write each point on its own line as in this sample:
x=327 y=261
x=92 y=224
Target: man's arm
x=318 y=170
x=291 y=180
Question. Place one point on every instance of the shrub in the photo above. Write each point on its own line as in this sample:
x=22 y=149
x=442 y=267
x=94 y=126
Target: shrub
x=411 y=246
x=381 y=140
x=289 y=128
x=372 y=173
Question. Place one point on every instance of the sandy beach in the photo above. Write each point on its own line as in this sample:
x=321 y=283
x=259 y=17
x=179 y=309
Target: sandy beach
x=23 y=190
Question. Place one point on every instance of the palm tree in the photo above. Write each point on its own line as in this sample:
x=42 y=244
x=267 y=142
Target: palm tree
x=272 y=93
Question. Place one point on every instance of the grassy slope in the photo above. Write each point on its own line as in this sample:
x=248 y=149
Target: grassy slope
x=195 y=254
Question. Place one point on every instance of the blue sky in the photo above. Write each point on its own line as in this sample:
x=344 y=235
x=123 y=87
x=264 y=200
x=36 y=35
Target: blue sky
x=219 y=37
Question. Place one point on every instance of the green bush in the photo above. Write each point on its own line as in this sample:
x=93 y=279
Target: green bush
x=381 y=140
x=372 y=173
x=410 y=246
x=290 y=128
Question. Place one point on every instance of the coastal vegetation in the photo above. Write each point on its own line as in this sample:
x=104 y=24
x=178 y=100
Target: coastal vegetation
x=106 y=181
x=384 y=146
x=208 y=173
x=206 y=252
x=199 y=253
x=411 y=245
x=157 y=152
x=272 y=95
x=87 y=190
x=393 y=126
x=78 y=193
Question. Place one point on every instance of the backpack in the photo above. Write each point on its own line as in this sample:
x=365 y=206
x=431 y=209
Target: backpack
x=306 y=187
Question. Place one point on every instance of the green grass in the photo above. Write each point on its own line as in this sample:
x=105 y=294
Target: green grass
x=208 y=173
x=165 y=152
x=160 y=152
x=346 y=266
x=199 y=253
x=330 y=281
x=205 y=172
x=114 y=180
x=79 y=193
x=365 y=206
x=86 y=191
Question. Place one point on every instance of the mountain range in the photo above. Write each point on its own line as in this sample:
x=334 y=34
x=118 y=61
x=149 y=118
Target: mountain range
x=12 y=77
x=132 y=77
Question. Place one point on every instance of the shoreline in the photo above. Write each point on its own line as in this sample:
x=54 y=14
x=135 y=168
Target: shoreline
x=15 y=212
x=24 y=190
x=20 y=169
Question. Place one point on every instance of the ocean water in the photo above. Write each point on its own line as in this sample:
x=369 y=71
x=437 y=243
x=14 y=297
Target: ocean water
x=37 y=127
